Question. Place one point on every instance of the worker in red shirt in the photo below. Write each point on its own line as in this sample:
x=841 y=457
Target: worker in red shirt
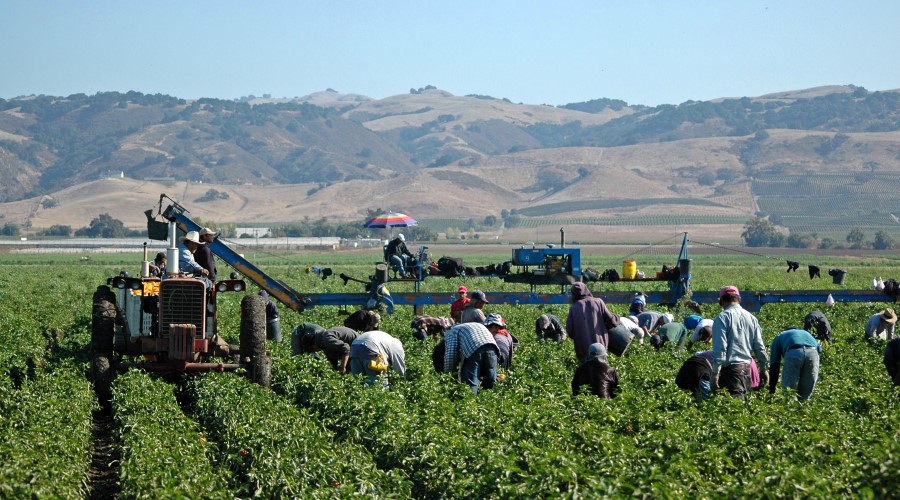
x=459 y=304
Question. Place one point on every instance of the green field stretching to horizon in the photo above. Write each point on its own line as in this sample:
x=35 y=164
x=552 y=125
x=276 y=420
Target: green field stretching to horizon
x=318 y=434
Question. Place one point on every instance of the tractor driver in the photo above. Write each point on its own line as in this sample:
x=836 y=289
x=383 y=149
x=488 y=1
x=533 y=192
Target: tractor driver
x=187 y=247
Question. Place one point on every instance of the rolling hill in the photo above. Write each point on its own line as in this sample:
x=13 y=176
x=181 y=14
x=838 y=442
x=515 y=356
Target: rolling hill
x=64 y=160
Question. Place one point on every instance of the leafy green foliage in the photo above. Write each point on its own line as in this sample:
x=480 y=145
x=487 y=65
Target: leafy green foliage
x=761 y=232
x=320 y=434
x=45 y=431
x=156 y=437
x=106 y=226
x=275 y=450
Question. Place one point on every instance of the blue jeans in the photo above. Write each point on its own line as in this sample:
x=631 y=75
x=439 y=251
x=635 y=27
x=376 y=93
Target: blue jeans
x=801 y=371
x=482 y=364
x=704 y=390
x=399 y=265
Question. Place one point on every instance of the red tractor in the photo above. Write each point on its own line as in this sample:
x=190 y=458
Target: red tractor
x=169 y=324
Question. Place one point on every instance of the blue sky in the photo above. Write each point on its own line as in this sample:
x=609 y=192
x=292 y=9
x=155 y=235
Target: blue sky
x=643 y=52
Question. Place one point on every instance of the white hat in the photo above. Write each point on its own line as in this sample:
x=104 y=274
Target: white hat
x=206 y=230
x=402 y=238
x=192 y=236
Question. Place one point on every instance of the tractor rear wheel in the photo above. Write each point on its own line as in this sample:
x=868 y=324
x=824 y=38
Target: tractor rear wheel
x=253 y=340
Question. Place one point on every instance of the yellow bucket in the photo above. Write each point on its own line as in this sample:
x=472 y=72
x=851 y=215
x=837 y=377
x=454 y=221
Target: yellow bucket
x=629 y=269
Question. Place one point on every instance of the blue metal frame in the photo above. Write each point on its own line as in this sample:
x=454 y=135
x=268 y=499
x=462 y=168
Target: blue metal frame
x=750 y=300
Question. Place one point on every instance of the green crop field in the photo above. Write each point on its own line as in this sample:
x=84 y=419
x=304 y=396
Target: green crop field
x=316 y=433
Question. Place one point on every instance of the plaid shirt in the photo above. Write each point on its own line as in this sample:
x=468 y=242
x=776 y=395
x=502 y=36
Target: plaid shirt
x=432 y=324
x=462 y=341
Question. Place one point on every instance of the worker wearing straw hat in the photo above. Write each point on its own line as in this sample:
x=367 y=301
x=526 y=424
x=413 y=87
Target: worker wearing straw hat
x=187 y=247
x=881 y=326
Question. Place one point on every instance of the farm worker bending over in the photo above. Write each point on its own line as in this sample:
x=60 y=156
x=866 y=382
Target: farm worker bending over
x=735 y=334
x=801 y=362
x=204 y=255
x=649 y=321
x=423 y=326
x=373 y=352
x=596 y=373
x=817 y=324
x=474 y=345
x=334 y=342
x=473 y=311
x=892 y=360
x=548 y=327
x=505 y=345
x=881 y=325
x=672 y=333
x=299 y=334
x=273 y=318
x=456 y=308
x=187 y=247
x=701 y=328
x=695 y=375
x=638 y=304
x=630 y=323
x=589 y=320
x=363 y=320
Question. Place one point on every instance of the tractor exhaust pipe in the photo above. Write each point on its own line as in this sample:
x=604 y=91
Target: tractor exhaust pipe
x=145 y=264
x=172 y=252
x=562 y=238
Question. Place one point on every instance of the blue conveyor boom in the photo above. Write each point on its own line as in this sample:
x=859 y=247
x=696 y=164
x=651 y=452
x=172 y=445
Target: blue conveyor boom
x=276 y=289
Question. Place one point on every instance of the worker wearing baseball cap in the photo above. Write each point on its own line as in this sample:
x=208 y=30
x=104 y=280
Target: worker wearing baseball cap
x=473 y=311
x=736 y=335
x=456 y=308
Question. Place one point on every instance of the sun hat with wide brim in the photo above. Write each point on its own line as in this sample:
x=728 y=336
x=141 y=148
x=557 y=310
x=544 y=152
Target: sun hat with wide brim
x=192 y=236
x=206 y=230
x=889 y=316
x=494 y=319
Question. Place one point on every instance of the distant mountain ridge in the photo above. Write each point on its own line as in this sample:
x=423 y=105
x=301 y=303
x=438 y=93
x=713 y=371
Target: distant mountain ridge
x=443 y=155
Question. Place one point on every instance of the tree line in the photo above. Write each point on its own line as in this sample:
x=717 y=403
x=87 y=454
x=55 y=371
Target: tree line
x=762 y=232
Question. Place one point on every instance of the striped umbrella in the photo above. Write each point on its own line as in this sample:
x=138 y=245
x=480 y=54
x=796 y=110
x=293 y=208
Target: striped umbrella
x=390 y=220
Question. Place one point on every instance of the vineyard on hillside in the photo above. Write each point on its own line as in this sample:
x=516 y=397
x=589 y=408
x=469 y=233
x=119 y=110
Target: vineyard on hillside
x=318 y=434
x=830 y=204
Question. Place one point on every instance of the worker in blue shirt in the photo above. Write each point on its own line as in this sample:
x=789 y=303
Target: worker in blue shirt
x=800 y=351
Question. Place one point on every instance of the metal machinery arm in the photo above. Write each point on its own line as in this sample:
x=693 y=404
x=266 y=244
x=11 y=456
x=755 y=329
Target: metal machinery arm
x=276 y=289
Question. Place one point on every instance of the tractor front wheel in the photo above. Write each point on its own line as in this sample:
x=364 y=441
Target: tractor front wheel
x=102 y=376
x=253 y=340
x=103 y=321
